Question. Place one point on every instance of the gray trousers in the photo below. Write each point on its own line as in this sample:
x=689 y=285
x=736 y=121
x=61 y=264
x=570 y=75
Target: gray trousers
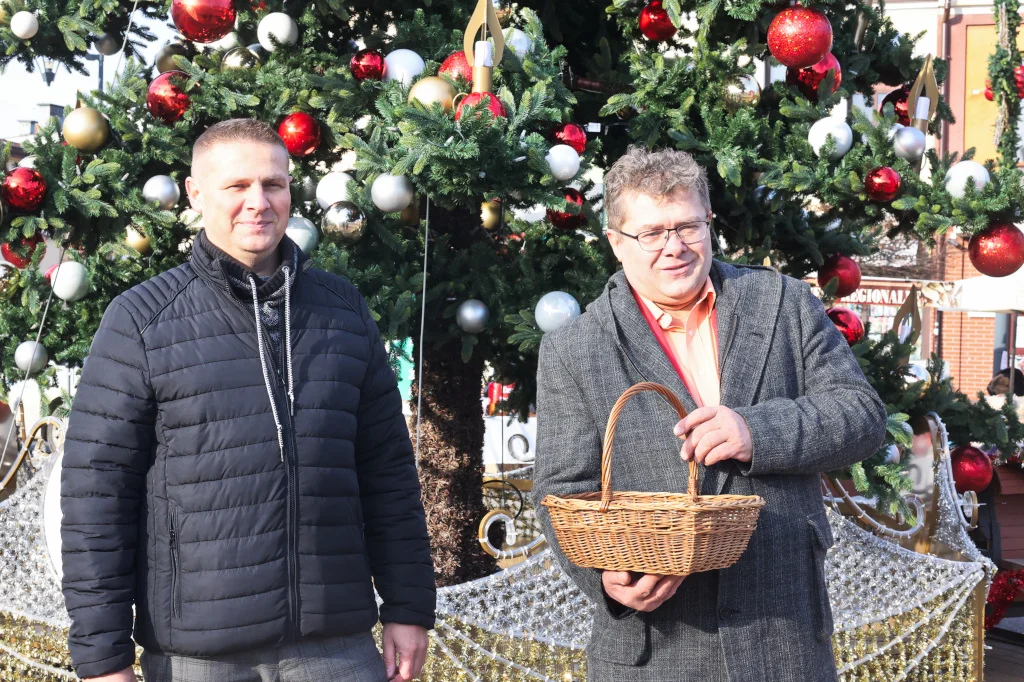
x=353 y=658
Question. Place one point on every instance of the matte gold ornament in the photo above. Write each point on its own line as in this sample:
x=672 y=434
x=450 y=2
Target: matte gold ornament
x=86 y=129
x=165 y=57
x=410 y=215
x=490 y=215
x=137 y=240
x=344 y=223
x=431 y=90
x=743 y=92
x=240 y=58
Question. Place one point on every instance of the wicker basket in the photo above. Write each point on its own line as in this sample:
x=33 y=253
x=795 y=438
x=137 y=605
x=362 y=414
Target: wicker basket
x=659 y=533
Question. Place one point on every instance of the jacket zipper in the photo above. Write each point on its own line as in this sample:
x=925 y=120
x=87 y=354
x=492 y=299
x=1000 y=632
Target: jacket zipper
x=175 y=565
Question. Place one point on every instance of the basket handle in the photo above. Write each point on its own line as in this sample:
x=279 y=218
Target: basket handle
x=609 y=437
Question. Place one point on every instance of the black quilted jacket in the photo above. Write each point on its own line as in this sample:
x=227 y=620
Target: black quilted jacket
x=231 y=520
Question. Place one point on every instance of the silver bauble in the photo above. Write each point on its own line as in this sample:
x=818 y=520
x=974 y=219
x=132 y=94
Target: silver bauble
x=838 y=128
x=178 y=47
x=239 y=58
x=892 y=453
x=403 y=66
x=518 y=42
x=303 y=232
x=31 y=357
x=472 y=316
x=909 y=144
x=107 y=44
x=24 y=25
x=281 y=27
x=745 y=91
x=161 y=190
x=332 y=188
x=563 y=161
x=228 y=42
x=958 y=174
x=391 y=193
x=344 y=223
x=70 y=281
x=555 y=309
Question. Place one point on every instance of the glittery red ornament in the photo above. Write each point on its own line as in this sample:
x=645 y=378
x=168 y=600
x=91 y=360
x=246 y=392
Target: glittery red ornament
x=998 y=250
x=22 y=256
x=898 y=99
x=571 y=134
x=654 y=22
x=367 y=64
x=807 y=79
x=203 y=21
x=474 y=98
x=564 y=220
x=166 y=99
x=989 y=95
x=882 y=184
x=1018 y=77
x=847 y=322
x=24 y=189
x=843 y=268
x=799 y=36
x=972 y=469
x=300 y=132
x=457 y=66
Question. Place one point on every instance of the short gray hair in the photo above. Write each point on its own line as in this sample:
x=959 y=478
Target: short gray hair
x=660 y=173
x=235 y=130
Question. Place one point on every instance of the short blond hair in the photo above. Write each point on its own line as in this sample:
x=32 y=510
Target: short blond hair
x=659 y=173
x=234 y=130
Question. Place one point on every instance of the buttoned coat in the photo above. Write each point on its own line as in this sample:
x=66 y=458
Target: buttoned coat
x=787 y=370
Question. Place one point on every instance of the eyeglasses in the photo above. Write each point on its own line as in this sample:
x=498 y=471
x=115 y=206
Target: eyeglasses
x=656 y=240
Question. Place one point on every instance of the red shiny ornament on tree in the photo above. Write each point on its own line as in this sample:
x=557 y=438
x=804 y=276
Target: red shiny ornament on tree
x=989 y=95
x=166 y=99
x=300 y=132
x=847 y=322
x=474 y=98
x=799 y=36
x=972 y=469
x=882 y=184
x=203 y=21
x=367 y=64
x=27 y=249
x=457 y=66
x=843 y=268
x=654 y=22
x=571 y=134
x=24 y=189
x=807 y=79
x=998 y=250
x=898 y=99
x=564 y=220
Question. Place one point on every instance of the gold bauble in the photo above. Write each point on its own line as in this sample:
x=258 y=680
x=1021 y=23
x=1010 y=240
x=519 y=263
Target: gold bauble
x=490 y=215
x=743 y=92
x=410 y=215
x=165 y=57
x=86 y=129
x=137 y=240
x=240 y=58
x=432 y=89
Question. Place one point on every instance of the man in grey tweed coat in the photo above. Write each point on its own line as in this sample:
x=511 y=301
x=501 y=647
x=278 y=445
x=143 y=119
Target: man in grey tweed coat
x=783 y=400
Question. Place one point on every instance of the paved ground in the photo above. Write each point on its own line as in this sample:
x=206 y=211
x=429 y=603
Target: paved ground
x=1004 y=661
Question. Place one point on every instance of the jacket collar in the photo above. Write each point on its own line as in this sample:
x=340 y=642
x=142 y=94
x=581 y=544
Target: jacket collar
x=221 y=270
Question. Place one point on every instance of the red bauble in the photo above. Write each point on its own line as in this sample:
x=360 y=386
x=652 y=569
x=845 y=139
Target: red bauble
x=972 y=469
x=989 y=95
x=571 y=134
x=300 y=132
x=882 y=184
x=474 y=98
x=998 y=250
x=166 y=99
x=367 y=64
x=203 y=21
x=27 y=246
x=457 y=66
x=24 y=189
x=564 y=220
x=799 y=36
x=898 y=99
x=654 y=22
x=847 y=322
x=1018 y=77
x=807 y=79
x=843 y=268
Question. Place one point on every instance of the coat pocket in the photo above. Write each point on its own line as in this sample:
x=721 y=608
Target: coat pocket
x=175 y=526
x=626 y=641
x=821 y=541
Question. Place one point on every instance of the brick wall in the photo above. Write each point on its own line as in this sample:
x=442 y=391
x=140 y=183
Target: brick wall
x=967 y=340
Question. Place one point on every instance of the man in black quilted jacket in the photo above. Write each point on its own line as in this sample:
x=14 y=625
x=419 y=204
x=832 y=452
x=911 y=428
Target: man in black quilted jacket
x=238 y=475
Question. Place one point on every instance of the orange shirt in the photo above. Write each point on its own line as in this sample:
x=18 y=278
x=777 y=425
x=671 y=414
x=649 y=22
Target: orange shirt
x=693 y=337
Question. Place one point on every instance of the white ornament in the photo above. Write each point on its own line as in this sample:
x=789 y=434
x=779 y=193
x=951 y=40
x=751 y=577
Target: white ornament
x=24 y=25
x=228 y=42
x=959 y=173
x=563 y=161
x=70 y=281
x=909 y=144
x=28 y=162
x=472 y=316
x=303 y=232
x=403 y=66
x=281 y=27
x=191 y=219
x=555 y=309
x=892 y=453
x=896 y=127
x=391 y=193
x=332 y=188
x=519 y=42
x=161 y=190
x=838 y=129
x=31 y=357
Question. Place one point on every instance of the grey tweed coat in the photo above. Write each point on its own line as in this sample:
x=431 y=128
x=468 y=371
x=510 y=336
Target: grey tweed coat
x=789 y=372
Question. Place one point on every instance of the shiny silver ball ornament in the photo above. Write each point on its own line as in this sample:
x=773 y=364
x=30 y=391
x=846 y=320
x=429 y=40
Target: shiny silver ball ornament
x=70 y=281
x=280 y=27
x=909 y=144
x=240 y=58
x=107 y=44
x=303 y=232
x=958 y=174
x=391 y=193
x=835 y=127
x=556 y=309
x=472 y=316
x=344 y=223
x=745 y=91
x=31 y=357
x=161 y=190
